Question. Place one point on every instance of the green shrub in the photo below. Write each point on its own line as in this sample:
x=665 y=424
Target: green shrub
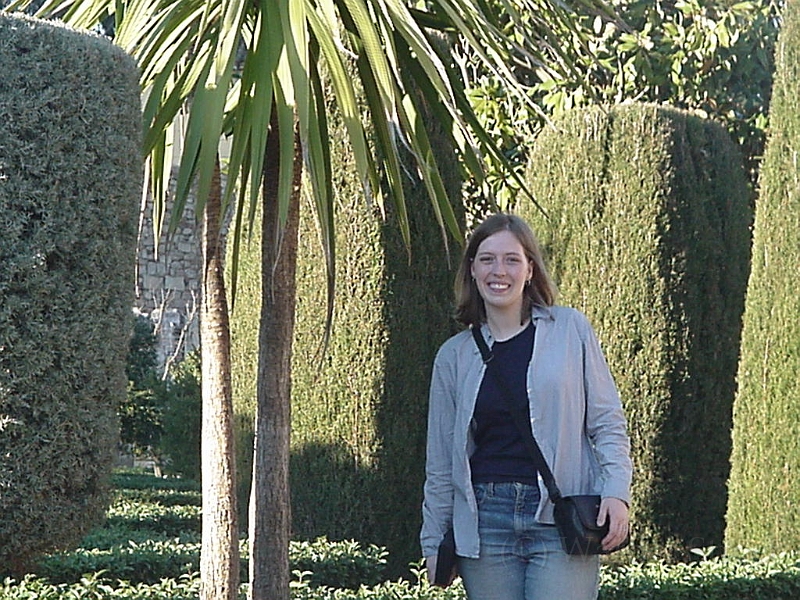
x=163 y=496
x=122 y=534
x=96 y=586
x=146 y=562
x=152 y=532
x=775 y=577
x=140 y=413
x=181 y=418
x=764 y=503
x=320 y=563
x=167 y=520
x=162 y=418
x=647 y=231
x=70 y=185
x=344 y=564
x=133 y=479
x=142 y=358
x=140 y=420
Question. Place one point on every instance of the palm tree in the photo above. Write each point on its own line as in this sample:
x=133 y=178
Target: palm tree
x=219 y=560
x=249 y=69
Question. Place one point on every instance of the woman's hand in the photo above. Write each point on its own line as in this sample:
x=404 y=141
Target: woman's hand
x=430 y=565
x=616 y=511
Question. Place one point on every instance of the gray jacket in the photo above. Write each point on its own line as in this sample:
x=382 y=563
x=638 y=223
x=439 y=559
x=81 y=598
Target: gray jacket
x=575 y=414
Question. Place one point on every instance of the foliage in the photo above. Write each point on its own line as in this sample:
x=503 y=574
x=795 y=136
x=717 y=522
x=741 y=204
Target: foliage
x=181 y=419
x=711 y=57
x=140 y=419
x=764 y=507
x=232 y=66
x=344 y=564
x=227 y=66
x=145 y=562
x=162 y=418
x=771 y=577
x=142 y=358
x=647 y=232
x=70 y=182
x=154 y=517
x=95 y=586
x=152 y=532
x=359 y=405
x=135 y=479
x=164 y=497
x=140 y=414
x=115 y=563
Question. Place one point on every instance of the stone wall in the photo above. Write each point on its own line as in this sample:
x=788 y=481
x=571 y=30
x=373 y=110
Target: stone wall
x=168 y=284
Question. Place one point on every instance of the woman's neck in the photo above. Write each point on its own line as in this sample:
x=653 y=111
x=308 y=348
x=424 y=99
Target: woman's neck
x=504 y=326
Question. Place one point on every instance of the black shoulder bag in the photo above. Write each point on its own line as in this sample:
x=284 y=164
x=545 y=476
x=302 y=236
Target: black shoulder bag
x=575 y=516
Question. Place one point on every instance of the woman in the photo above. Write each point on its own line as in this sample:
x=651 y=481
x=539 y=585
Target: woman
x=480 y=480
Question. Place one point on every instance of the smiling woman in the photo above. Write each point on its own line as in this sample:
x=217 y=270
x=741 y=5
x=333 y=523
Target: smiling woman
x=481 y=481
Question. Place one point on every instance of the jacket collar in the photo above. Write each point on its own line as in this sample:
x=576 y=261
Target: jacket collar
x=537 y=312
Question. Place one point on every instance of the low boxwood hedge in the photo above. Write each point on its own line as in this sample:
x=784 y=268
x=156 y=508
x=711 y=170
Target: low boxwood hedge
x=773 y=577
x=131 y=559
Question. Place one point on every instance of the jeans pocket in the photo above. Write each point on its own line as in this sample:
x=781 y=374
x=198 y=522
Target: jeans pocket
x=481 y=491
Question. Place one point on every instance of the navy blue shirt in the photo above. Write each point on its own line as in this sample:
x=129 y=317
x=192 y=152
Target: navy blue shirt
x=500 y=454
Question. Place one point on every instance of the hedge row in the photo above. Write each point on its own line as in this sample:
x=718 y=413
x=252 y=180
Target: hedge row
x=764 y=504
x=70 y=186
x=154 y=533
x=775 y=577
x=647 y=231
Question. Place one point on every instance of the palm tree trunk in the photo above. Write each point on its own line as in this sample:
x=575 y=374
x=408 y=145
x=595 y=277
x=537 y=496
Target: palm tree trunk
x=270 y=507
x=219 y=558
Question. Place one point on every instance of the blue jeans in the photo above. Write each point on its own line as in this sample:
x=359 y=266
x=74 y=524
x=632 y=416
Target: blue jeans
x=521 y=559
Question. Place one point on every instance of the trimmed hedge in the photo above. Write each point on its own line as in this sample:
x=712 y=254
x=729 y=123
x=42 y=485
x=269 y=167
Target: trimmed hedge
x=117 y=562
x=648 y=234
x=70 y=186
x=764 y=504
x=775 y=577
x=359 y=408
x=153 y=532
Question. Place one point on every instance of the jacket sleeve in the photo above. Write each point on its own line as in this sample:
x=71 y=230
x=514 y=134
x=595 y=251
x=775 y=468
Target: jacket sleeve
x=437 y=507
x=605 y=420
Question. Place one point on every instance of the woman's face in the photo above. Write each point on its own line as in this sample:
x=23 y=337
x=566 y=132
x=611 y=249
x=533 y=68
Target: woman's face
x=501 y=269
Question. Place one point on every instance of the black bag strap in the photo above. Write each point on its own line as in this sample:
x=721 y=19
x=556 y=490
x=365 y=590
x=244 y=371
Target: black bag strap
x=520 y=416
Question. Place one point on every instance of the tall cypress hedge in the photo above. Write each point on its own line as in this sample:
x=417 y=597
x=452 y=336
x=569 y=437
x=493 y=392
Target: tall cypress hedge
x=70 y=185
x=358 y=407
x=648 y=233
x=764 y=503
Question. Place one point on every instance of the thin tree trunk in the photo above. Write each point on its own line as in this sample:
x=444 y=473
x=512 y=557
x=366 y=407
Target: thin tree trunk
x=219 y=557
x=270 y=506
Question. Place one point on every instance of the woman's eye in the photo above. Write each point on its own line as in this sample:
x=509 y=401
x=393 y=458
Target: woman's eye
x=487 y=260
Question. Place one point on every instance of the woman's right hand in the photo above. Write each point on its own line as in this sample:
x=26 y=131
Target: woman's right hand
x=430 y=565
